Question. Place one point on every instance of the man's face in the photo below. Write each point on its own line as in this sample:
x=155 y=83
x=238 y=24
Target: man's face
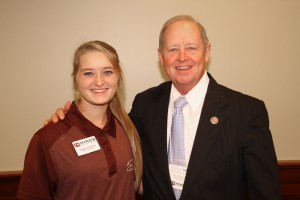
x=184 y=55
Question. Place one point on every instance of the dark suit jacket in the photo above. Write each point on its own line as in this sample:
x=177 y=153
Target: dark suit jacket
x=227 y=157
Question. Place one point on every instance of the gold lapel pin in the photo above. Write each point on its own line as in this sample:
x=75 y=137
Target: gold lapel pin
x=214 y=120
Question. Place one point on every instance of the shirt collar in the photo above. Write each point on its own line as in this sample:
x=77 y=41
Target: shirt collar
x=88 y=127
x=193 y=96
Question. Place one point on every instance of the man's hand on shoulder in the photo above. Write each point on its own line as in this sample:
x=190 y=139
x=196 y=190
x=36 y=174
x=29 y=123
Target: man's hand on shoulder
x=59 y=114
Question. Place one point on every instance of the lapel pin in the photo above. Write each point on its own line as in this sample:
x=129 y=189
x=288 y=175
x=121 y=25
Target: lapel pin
x=214 y=120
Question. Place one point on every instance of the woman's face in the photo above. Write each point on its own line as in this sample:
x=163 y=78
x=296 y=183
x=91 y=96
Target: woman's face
x=96 y=79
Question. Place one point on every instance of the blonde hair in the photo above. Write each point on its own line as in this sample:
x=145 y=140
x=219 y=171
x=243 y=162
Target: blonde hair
x=182 y=18
x=115 y=105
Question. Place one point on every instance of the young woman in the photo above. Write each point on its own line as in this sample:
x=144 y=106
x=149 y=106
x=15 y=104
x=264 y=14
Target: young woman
x=95 y=152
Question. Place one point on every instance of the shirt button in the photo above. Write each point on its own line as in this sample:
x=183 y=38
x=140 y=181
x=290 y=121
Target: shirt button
x=108 y=149
x=113 y=167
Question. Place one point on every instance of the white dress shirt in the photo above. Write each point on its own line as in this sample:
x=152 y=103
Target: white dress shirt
x=191 y=112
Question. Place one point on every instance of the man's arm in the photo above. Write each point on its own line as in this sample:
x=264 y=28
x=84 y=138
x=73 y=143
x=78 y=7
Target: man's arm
x=259 y=157
x=59 y=114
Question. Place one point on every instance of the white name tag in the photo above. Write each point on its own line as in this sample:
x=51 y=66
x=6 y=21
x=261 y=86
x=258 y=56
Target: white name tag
x=177 y=174
x=86 y=145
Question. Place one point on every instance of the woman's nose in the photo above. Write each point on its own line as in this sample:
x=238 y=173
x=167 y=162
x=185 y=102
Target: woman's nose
x=98 y=80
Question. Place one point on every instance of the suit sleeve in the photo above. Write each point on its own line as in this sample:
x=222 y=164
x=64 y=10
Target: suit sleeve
x=259 y=157
x=134 y=115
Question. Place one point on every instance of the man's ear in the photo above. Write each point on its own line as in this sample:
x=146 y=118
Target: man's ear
x=160 y=56
x=207 y=52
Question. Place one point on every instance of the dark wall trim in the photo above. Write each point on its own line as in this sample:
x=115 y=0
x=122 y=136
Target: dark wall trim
x=289 y=172
x=9 y=182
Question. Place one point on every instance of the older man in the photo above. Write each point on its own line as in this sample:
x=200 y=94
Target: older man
x=228 y=144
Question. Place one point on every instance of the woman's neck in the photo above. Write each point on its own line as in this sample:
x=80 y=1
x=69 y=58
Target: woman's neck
x=95 y=114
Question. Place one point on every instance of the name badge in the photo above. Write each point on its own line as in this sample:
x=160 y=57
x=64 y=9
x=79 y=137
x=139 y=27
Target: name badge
x=86 y=145
x=177 y=174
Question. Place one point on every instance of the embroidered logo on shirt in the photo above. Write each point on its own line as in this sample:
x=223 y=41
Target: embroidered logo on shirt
x=130 y=165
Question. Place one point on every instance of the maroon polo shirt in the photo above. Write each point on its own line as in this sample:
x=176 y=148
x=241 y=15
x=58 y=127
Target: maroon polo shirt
x=53 y=170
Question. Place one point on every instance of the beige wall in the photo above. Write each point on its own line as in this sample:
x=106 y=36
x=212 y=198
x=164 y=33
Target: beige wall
x=255 y=49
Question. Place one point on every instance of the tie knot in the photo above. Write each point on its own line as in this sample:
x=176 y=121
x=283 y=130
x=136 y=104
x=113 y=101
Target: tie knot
x=180 y=103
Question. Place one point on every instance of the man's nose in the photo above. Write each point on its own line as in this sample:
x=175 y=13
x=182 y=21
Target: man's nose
x=182 y=55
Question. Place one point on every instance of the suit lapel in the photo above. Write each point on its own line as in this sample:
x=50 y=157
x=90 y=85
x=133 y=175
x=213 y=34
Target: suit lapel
x=207 y=132
x=160 y=112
